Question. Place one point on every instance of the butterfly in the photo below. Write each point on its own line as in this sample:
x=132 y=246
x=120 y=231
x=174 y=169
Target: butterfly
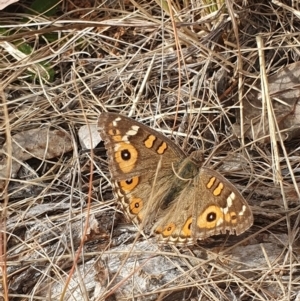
x=171 y=194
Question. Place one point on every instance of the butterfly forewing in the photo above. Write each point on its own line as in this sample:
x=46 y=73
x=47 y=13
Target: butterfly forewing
x=140 y=162
x=132 y=150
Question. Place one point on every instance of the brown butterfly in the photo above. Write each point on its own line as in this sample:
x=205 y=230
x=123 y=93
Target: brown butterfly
x=170 y=193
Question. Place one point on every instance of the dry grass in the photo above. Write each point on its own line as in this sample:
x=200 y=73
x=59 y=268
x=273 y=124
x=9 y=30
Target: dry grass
x=187 y=75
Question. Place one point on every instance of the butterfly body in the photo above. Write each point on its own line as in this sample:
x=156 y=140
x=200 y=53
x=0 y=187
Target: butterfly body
x=171 y=194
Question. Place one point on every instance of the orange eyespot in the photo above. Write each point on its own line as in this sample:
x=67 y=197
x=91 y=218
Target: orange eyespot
x=168 y=230
x=126 y=156
x=136 y=205
x=130 y=184
x=187 y=228
x=114 y=132
x=231 y=217
x=210 y=217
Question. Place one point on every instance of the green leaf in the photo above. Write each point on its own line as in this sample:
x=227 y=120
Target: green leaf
x=44 y=7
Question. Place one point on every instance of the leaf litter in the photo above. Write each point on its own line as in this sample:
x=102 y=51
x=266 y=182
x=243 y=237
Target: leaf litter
x=198 y=77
